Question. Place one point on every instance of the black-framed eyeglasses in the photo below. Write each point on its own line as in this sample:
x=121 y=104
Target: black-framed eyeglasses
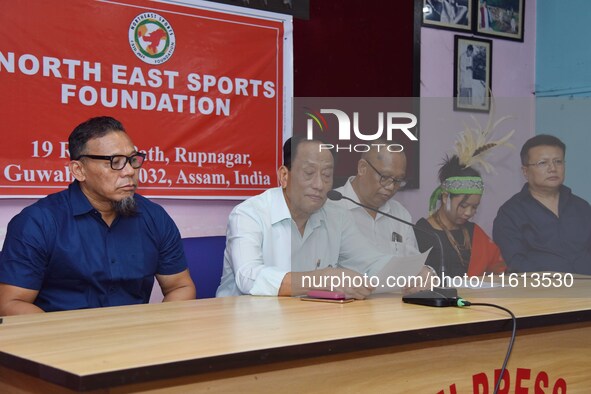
x=118 y=162
x=386 y=181
x=545 y=164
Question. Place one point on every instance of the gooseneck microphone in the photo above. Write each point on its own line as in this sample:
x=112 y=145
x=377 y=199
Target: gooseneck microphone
x=336 y=196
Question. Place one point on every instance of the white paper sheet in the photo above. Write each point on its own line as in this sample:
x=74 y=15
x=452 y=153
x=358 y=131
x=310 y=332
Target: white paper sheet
x=399 y=271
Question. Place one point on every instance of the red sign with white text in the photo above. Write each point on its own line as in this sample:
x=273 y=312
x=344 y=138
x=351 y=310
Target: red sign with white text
x=199 y=90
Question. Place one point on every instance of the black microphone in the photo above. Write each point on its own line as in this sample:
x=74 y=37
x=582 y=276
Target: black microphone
x=334 y=195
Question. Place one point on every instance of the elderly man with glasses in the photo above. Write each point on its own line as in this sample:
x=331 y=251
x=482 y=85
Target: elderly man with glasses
x=289 y=240
x=380 y=174
x=544 y=227
x=97 y=243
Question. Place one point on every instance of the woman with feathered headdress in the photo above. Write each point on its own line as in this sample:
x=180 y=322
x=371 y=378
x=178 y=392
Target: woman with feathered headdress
x=466 y=247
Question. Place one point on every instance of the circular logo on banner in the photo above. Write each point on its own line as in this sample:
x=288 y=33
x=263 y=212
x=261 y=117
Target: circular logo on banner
x=151 y=38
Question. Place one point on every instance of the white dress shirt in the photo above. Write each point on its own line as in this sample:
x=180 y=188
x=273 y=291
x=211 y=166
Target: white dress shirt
x=263 y=244
x=385 y=234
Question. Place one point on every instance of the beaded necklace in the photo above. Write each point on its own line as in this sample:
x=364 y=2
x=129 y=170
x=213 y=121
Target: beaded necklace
x=457 y=247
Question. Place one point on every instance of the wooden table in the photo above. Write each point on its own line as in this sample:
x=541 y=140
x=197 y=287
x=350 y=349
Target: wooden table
x=269 y=344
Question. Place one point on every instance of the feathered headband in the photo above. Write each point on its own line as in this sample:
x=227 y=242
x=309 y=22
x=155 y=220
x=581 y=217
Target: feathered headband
x=472 y=146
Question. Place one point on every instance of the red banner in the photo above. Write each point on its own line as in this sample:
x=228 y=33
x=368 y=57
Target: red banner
x=200 y=90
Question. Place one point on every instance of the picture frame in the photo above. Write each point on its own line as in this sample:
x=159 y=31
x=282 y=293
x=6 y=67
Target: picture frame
x=499 y=19
x=448 y=14
x=472 y=73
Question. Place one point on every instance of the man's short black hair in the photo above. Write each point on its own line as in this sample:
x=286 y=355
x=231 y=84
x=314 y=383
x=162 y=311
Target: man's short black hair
x=86 y=131
x=540 y=140
x=290 y=148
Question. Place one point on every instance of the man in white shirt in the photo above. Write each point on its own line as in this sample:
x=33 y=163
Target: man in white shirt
x=279 y=237
x=380 y=174
x=466 y=73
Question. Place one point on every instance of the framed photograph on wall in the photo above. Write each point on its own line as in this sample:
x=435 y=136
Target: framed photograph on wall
x=448 y=14
x=500 y=18
x=472 y=73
